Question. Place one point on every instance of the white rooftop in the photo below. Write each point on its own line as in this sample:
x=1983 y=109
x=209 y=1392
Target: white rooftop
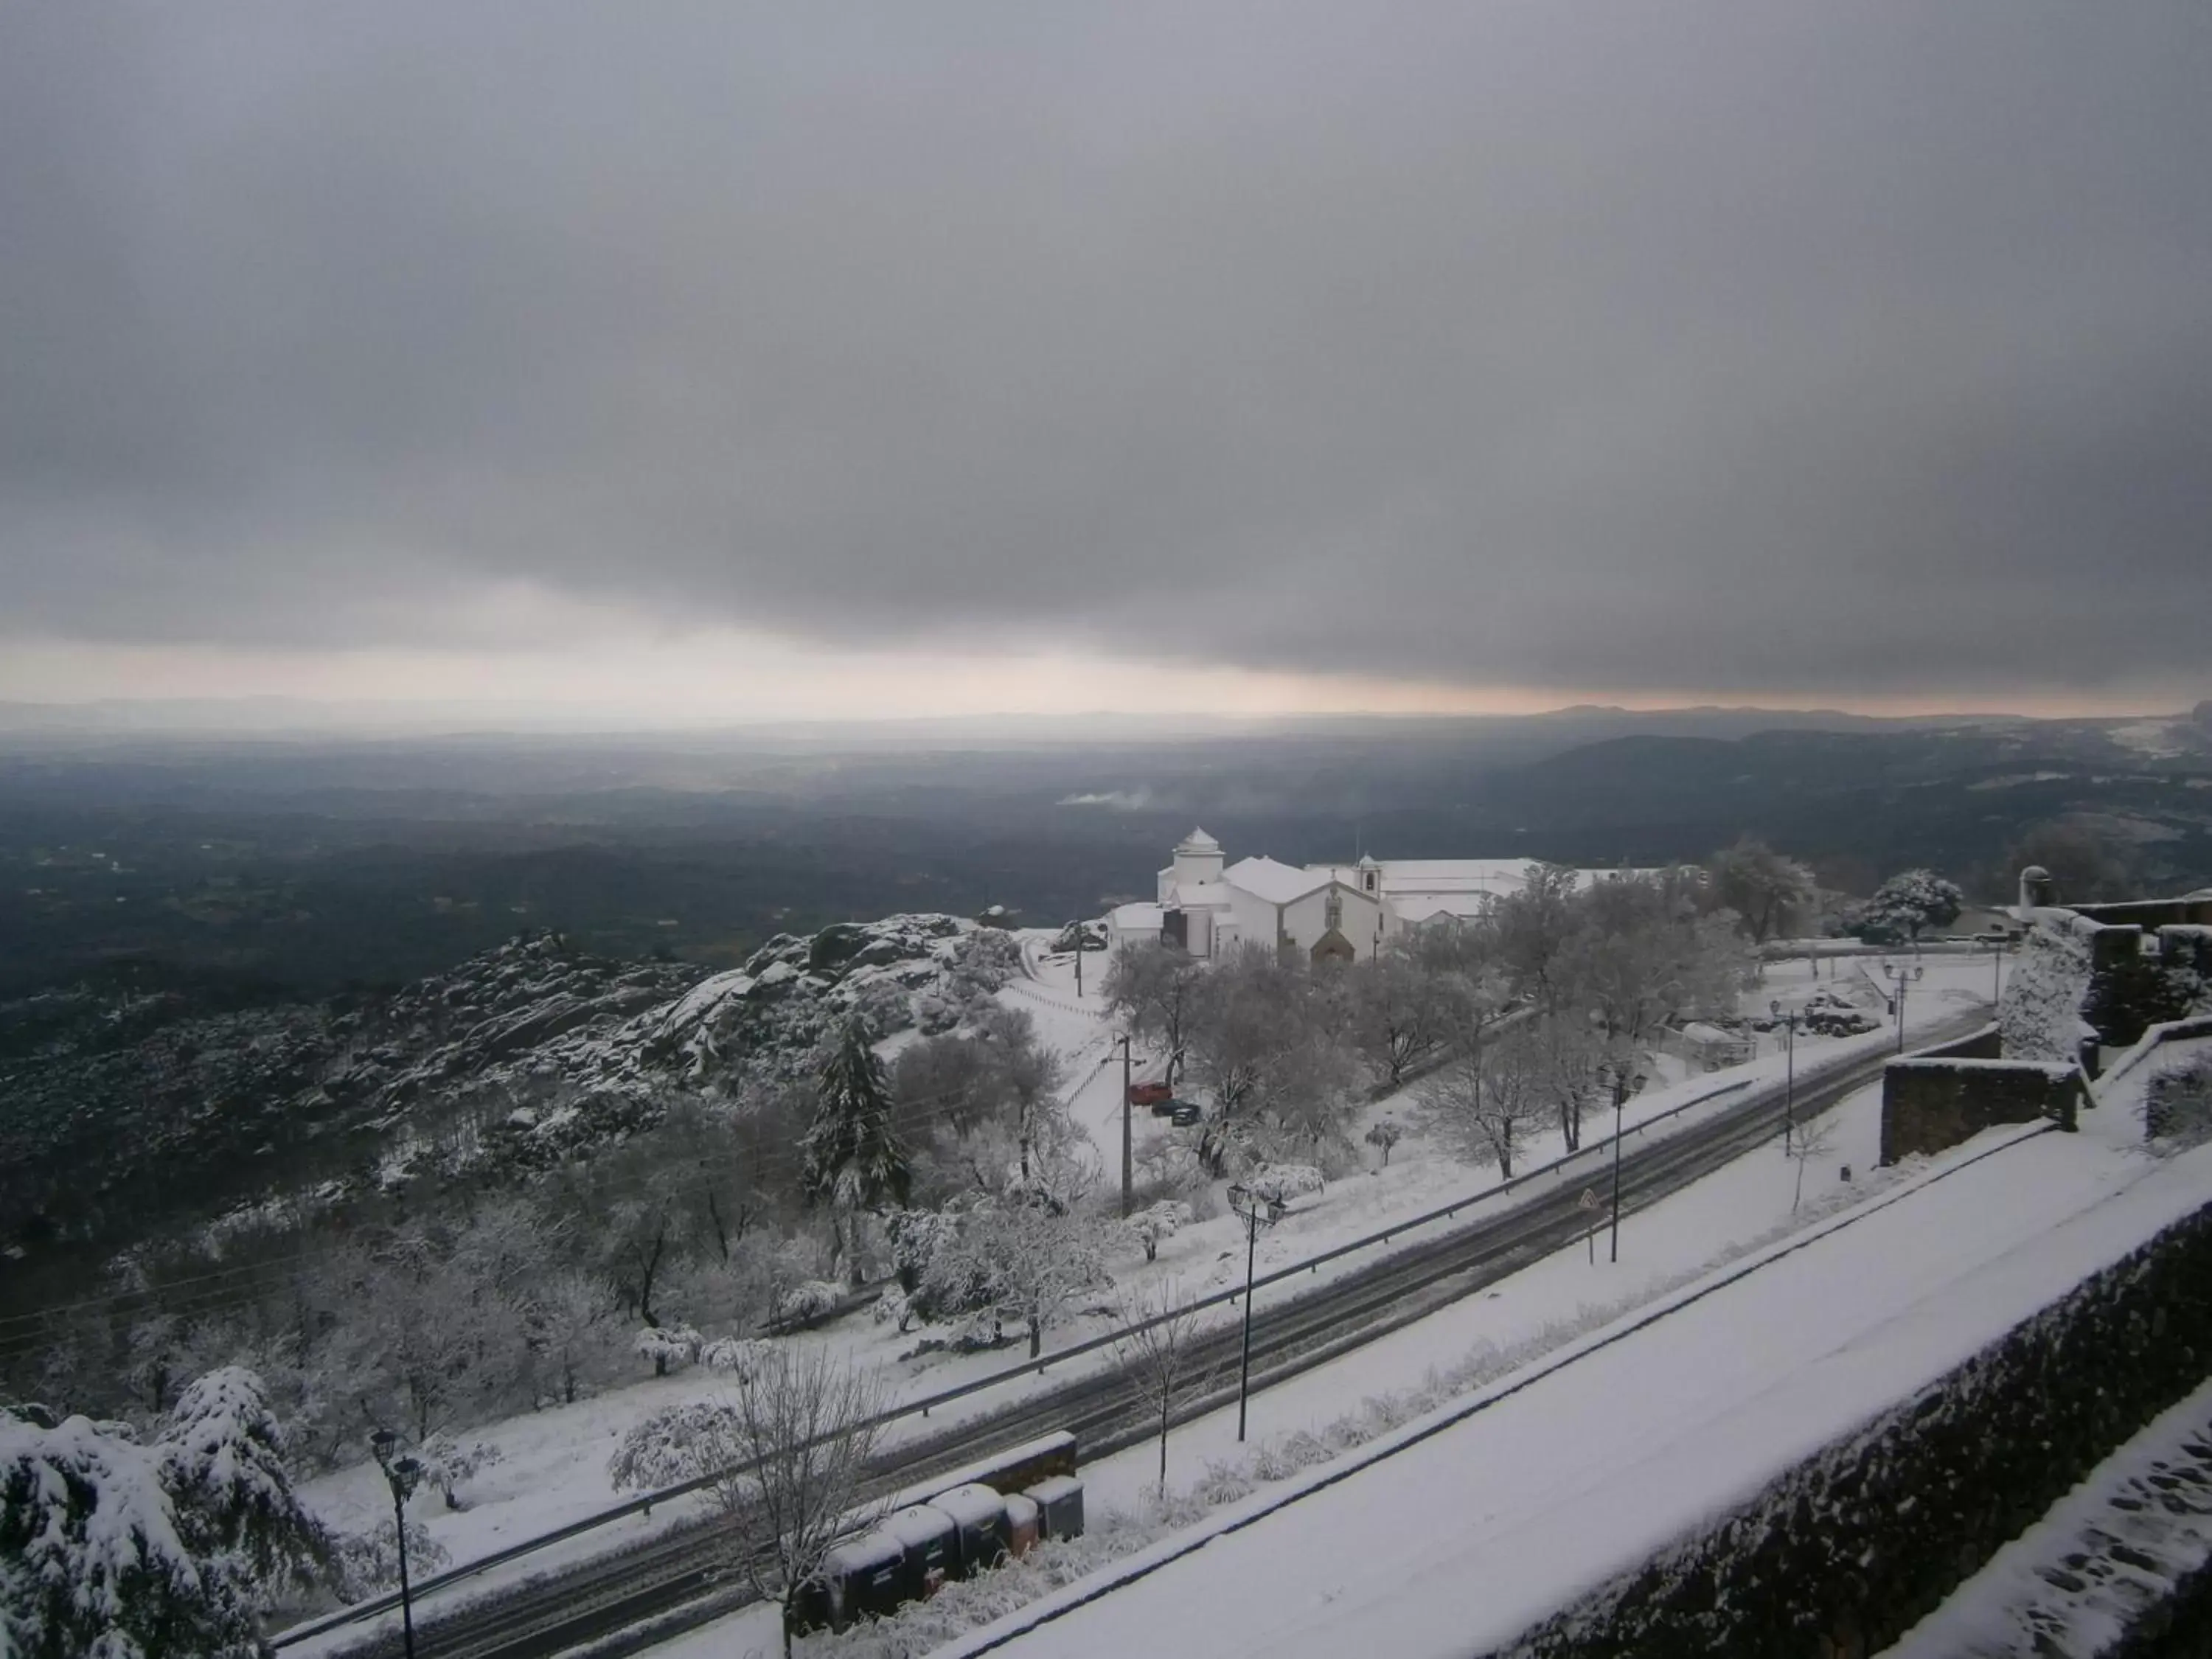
x=1275 y=882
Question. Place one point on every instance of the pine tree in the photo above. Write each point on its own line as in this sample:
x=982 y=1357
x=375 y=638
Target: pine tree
x=854 y=1157
x=223 y=1464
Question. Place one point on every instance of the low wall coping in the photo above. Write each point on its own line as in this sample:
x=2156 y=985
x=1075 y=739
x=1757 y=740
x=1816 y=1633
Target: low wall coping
x=2056 y=1070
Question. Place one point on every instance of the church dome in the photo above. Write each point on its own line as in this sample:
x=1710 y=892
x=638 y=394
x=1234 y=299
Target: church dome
x=1198 y=841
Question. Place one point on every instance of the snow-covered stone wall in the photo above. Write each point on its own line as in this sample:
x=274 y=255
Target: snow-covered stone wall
x=1931 y=1102
x=1853 y=1548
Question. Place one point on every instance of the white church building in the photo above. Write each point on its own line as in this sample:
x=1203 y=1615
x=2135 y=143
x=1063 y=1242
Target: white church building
x=1326 y=911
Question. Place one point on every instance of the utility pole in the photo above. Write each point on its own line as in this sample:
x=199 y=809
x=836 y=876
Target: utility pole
x=1078 y=927
x=1128 y=1152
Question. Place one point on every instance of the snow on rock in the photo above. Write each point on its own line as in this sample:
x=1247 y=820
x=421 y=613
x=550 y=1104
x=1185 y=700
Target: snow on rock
x=2039 y=1017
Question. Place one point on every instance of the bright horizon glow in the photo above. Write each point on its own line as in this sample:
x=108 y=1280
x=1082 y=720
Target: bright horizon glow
x=711 y=679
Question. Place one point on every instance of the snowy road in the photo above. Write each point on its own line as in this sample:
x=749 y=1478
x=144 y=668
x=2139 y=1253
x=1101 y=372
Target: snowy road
x=1491 y=1523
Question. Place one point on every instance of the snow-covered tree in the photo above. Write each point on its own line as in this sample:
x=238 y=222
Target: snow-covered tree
x=854 y=1160
x=573 y=1327
x=1155 y=1222
x=1399 y=1009
x=1912 y=901
x=1151 y=989
x=1266 y=1040
x=1044 y=1263
x=1385 y=1134
x=97 y=1562
x=223 y=1461
x=1770 y=894
x=1484 y=1110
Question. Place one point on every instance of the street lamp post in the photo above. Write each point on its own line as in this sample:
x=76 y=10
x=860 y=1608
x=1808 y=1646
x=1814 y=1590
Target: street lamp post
x=402 y=1473
x=1253 y=1208
x=1077 y=927
x=1902 y=978
x=1788 y=1071
x=1624 y=1085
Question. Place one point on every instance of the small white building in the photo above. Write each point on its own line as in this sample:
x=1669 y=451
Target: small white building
x=1328 y=911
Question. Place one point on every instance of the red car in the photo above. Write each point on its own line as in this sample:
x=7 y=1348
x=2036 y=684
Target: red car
x=1150 y=1094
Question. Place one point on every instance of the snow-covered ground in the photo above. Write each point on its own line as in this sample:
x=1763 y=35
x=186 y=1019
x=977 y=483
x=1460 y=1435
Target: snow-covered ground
x=1722 y=1218
x=552 y=1467
x=1505 y=1514
x=2115 y=1546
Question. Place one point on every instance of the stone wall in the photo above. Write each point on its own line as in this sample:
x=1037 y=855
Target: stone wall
x=2078 y=978
x=1928 y=1103
x=1840 y=1557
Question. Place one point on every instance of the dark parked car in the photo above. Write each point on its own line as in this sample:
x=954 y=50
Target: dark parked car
x=1184 y=1113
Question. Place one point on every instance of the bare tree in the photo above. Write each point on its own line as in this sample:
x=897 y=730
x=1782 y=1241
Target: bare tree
x=1815 y=1138
x=800 y=1430
x=1158 y=1349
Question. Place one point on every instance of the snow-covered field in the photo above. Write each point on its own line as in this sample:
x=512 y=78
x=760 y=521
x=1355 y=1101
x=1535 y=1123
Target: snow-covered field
x=552 y=1466
x=1504 y=1515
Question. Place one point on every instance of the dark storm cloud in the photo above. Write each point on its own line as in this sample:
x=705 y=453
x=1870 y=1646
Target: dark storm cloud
x=1811 y=348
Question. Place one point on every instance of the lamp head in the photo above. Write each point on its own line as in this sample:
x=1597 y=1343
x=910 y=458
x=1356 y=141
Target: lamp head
x=382 y=1443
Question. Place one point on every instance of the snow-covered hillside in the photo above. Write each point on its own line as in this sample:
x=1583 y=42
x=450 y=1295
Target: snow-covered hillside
x=527 y=1053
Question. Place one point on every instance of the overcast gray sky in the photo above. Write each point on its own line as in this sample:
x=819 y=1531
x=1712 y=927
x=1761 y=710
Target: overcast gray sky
x=1788 y=352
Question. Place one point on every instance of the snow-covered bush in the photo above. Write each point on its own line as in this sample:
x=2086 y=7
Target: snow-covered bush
x=803 y=1304
x=668 y=1346
x=729 y=1354
x=2178 y=1103
x=1148 y=1226
x=677 y=1443
x=895 y=1308
x=446 y=1464
x=369 y=1562
x=1279 y=1183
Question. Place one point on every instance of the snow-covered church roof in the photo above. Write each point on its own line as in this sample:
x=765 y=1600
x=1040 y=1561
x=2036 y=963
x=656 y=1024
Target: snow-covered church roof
x=1198 y=841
